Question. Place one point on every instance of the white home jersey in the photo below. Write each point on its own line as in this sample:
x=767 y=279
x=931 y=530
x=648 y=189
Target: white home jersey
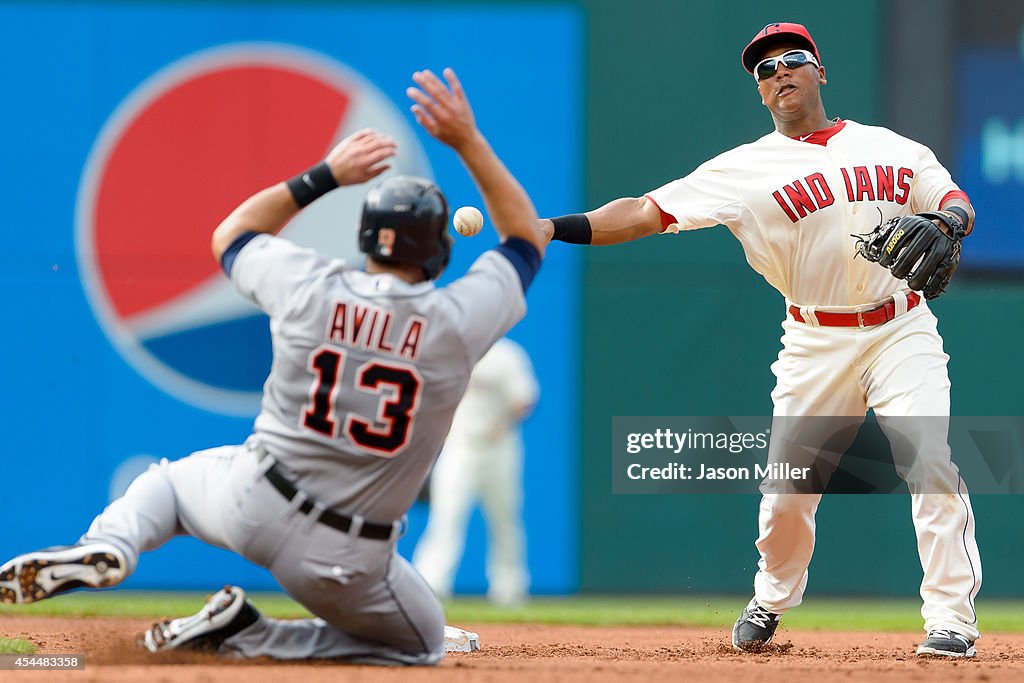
x=368 y=369
x=794 y=205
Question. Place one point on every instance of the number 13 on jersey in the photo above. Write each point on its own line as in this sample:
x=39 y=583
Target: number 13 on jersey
x=397 y=385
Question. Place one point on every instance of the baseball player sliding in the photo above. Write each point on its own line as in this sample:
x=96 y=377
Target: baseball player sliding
x=857 y=335
x=369 y=366
x=483 y=460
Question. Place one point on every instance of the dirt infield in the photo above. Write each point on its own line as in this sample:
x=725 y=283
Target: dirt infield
x=540 y=654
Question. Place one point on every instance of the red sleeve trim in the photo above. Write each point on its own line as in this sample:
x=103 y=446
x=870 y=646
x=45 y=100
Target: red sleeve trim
x=667 y=219
x=954 y=194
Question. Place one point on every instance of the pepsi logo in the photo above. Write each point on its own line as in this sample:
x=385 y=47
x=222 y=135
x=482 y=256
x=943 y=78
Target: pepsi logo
x=186 y=147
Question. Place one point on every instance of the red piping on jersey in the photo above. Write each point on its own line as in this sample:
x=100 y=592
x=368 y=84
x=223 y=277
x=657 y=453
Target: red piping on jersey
x=667 y=219
x=954 y=194
x=820 y=137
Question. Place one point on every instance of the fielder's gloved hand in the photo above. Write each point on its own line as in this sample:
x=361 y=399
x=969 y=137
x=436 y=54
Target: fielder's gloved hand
x=916 y=250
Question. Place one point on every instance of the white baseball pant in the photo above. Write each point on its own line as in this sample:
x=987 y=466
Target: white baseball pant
x=899 y=370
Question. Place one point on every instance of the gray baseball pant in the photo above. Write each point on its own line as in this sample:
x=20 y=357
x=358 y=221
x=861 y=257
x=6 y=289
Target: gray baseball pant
x=371 y=605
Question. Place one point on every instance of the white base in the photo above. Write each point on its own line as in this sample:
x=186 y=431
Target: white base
x=457 y=640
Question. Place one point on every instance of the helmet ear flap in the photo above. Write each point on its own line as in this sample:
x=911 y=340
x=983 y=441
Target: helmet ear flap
x=367 y=239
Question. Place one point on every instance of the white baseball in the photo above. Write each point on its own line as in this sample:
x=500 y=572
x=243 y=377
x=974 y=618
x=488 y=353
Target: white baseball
x=468 y=220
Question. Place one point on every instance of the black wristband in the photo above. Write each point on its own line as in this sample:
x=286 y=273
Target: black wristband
x=961 y=213
x=957 y=228
x=574 y=229
x=312 y=184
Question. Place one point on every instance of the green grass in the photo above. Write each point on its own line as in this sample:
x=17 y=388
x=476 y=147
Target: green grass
x=712 y=611
x=16 y=646
x=829 y=614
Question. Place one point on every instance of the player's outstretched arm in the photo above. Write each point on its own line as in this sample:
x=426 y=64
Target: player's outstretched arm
x=444 y=111
x=356 y=159
x=622 y=220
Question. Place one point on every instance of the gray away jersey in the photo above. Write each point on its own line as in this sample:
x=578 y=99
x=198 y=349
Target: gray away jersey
x=367 y=369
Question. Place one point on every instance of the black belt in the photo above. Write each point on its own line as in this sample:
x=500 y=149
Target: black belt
x=378 y=532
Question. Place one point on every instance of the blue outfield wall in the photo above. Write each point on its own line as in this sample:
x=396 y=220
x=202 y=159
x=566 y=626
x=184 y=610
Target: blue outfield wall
x=122 y=343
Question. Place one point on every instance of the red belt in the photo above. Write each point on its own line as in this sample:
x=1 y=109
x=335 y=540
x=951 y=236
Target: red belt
x=870 y=318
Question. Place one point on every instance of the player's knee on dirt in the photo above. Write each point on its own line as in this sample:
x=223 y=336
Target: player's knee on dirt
x=375 y=598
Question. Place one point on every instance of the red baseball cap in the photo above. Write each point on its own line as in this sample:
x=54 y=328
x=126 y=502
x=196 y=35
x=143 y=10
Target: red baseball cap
x=772 y=34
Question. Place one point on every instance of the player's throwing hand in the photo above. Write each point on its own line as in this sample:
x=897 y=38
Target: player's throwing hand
x=361 y=156
x=443 y=110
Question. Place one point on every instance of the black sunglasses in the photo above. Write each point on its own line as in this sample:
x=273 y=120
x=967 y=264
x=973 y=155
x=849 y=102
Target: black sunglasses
x=766 y=68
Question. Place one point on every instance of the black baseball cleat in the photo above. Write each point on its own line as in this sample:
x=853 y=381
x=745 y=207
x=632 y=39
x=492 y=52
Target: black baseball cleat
x=755 y=627
x=44 y=573
x=942 y=642
x=225 y=613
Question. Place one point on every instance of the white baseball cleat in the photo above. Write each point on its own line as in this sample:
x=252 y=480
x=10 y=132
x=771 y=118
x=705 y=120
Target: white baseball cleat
x=225 y=613
x=44 y=573
x=458 y=640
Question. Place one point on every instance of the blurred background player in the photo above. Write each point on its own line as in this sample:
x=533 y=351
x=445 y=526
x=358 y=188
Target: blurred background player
x=482 y=461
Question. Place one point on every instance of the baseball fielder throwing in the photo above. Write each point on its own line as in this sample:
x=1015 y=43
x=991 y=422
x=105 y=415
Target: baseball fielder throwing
x=857 y=335
x=368 y=368
x=483 y=460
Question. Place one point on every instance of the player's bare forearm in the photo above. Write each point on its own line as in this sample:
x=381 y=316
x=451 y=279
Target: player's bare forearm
x=966 y=206
x=619 y=221
x=266 y=211
x=624 y=220
x=359 y=157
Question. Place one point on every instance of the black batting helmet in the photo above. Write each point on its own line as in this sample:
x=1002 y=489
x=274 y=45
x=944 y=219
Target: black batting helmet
x=405 y=220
